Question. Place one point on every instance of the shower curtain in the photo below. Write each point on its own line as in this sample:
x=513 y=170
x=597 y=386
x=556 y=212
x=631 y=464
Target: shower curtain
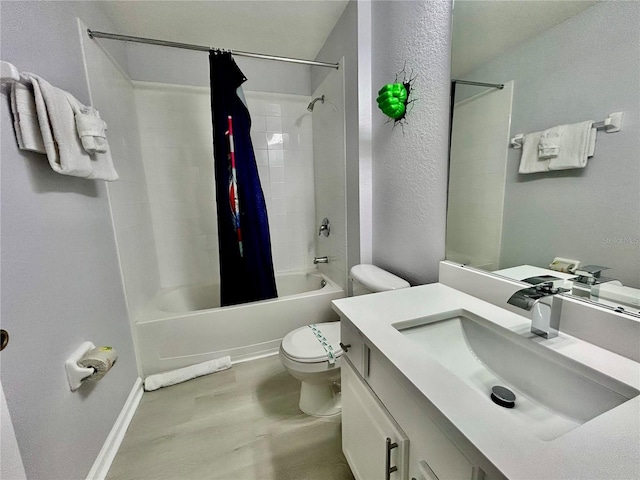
x=246 y=265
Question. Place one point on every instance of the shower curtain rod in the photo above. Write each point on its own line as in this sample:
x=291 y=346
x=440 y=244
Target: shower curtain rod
x=202 y=48
x=499 y=86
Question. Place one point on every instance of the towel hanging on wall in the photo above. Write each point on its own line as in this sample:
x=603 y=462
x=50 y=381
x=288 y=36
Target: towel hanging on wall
x=64 y=148
x=559 y=148
x=576 y=143
x=530 y=161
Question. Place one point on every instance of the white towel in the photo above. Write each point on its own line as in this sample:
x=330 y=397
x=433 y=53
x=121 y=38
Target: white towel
x=549 y=145
x=530 y=162
x=577 y=142
x=159 y=380
x=92 y=130
x=62 y=143
x=25 y=118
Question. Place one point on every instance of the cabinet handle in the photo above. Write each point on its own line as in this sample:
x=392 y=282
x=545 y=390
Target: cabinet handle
x=388 y=468
x=345 y=348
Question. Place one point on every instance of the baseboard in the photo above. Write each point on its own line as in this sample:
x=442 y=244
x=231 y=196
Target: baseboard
x=116 y=435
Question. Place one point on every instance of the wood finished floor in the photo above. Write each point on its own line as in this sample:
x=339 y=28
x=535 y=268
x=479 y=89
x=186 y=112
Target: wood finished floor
x=243 y=423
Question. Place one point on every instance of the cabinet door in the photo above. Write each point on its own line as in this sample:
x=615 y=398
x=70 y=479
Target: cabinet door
x=354 y=348
x=369 y=432
x=442 y=459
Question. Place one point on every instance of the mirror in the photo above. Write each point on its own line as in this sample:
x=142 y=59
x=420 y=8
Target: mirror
x=559 y=62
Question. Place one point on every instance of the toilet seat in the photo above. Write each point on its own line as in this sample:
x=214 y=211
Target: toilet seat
x=301 y=345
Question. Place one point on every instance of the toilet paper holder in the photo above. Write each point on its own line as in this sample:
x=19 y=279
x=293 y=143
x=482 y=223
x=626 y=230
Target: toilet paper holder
x=75 y=373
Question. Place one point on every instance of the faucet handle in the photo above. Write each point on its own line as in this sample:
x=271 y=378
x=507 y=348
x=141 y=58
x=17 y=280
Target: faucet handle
x=547 y=288
x=590 y=274
x=325 y=227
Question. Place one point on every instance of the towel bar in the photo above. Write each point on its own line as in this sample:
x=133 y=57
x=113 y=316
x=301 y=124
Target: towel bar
x=611 y=124
x=8 y=72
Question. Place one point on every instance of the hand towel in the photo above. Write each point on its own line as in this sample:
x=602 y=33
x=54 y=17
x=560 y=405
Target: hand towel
x=549 y=145
x=92 y=130
x=577 y=139
x=530 y=162
x=25 y=118
x=58 y=127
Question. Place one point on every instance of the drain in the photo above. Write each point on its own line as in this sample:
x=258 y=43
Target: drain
x=503 y=396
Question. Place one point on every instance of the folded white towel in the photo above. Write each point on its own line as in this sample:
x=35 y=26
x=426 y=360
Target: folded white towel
x=576 y=143
x=92 y=130
x=592 y=142
x=58 y=127
x=25 y=118
x=549 y=145
x=530 y=162
x=159 y=380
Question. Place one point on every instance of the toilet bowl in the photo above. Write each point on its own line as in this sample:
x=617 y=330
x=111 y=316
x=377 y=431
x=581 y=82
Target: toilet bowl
x=306 y=358
x=313 y=353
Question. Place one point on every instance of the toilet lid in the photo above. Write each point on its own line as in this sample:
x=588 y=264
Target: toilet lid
x=303 y=346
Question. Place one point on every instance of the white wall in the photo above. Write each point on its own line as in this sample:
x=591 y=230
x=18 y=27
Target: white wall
x=584 y=68
x=330 y=176
x=287 y=178
x=477 y=169
x=175 y=132
x=61 y=283
x=175 y=127
x=410 y=166
x=343 y=43
x=113 y=95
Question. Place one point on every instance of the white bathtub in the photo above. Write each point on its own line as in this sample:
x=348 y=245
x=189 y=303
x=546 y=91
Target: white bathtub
x=185 y=325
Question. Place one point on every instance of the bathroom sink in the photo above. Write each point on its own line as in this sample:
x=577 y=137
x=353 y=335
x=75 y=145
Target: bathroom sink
x=554 y=394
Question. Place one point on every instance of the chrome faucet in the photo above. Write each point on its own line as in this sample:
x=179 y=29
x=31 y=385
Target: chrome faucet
x=545 y=307
x=317 y=260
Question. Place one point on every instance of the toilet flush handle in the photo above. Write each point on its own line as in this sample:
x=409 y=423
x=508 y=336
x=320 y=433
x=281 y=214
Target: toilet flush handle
x=345 y=348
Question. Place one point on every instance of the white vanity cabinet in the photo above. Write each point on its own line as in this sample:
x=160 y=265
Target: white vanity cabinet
x=377 y=403
x=374 y=445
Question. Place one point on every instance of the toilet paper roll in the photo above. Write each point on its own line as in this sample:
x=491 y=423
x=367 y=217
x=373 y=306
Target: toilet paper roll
x=101 y=359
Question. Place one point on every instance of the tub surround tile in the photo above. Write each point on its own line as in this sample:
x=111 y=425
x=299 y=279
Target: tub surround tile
x=179 y=175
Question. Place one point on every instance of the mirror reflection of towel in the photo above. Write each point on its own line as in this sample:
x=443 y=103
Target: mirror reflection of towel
x=577 y=144
x=549 y=145
x=530 y=162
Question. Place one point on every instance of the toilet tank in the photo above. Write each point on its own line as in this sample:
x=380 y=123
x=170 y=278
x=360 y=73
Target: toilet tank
x=371 y=279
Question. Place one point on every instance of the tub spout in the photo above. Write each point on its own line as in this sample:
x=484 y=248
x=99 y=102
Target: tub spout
x=317 y=260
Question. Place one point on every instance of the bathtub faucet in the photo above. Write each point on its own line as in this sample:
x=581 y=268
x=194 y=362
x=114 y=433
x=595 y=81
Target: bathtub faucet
x=317 y=260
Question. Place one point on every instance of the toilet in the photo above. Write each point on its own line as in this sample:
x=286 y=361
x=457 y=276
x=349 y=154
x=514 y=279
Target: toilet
x=313 y=353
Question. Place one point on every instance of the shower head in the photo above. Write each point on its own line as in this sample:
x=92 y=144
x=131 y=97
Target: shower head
x=313 y=102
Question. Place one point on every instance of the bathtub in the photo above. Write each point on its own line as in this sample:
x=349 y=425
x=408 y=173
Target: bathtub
x=185 y=325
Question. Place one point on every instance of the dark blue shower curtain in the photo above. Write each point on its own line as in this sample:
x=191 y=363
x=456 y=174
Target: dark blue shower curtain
x=246 y=265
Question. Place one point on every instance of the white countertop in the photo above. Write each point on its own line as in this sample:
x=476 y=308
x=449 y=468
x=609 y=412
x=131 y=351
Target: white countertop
x=605 y=447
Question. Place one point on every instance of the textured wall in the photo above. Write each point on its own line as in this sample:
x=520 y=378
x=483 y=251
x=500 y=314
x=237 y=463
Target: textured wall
x=61 y=283
x=571 y=74
x=410 y=165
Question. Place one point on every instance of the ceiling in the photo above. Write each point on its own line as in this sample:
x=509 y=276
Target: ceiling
x=484 y=29
x=285 y=28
